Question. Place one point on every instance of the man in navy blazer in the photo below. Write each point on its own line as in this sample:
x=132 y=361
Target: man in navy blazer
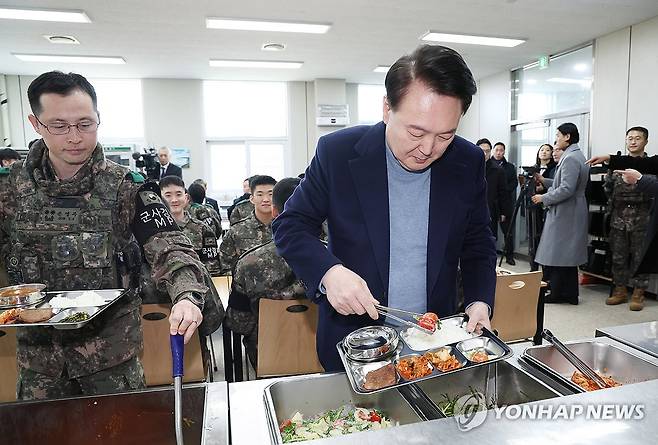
x=359 y=181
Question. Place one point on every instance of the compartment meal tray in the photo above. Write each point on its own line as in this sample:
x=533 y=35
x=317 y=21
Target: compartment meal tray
x=110 y=296
x=357 y=370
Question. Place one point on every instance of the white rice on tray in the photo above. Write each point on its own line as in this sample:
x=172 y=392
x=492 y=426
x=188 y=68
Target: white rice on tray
x=449 y=333
x=86 y=299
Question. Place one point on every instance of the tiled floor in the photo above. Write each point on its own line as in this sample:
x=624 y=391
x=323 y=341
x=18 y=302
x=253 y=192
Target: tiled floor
x=566 y=321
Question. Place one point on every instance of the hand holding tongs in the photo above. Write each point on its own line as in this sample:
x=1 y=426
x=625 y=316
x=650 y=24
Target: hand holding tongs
x=574 y=360
x=386 y=311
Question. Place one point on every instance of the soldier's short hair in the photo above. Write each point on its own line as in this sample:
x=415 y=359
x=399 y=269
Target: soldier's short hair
x=640 y=129
x=197 y=193
x=8 y=154
x=171 y=180
x=59 y=83
x=282 y=191
x=261 y=180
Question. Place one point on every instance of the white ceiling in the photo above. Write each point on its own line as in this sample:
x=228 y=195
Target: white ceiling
x=168 y=38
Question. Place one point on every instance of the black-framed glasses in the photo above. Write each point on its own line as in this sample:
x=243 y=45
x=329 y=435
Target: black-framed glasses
x=62 y=128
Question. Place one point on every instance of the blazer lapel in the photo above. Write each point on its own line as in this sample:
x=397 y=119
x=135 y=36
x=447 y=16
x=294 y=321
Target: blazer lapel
x=442 y=205
x=369 y=173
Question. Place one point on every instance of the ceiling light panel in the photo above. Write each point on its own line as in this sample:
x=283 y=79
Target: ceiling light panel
x=255 y=64
x=432 y=36
x=44 y=15
x=381 y=69
x=71 y=59
x=265 y=25
x=59 y=39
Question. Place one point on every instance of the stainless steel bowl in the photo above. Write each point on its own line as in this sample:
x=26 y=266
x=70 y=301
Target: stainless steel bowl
x=21 y=295
x=371 y=343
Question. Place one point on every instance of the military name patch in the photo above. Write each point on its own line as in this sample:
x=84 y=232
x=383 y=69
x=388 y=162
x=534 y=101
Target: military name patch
x=151 y=215
x=60 y=215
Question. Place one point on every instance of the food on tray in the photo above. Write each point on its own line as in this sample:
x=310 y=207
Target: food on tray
x=9 y=316
x=414 y=367
x=430 y=321
x=336 y=422
x=443 y=360
x=13 y=292
x=588 y=384
x=380 y=378
x=35 y=315
x=75 y=318
x=447 y=333
x=477 y=355
x=86 y=299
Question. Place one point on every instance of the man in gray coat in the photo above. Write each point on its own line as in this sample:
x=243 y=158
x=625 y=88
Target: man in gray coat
x=563 y=245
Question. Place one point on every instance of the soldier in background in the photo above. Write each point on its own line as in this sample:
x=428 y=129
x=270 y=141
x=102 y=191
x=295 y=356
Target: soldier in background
x=244 y=200
x=204 y=213
x=262 y=273
x=67 y=215
x=8 y=157
x=255 y=229
x=630 y=211
x=200 y=234
x=207 y=200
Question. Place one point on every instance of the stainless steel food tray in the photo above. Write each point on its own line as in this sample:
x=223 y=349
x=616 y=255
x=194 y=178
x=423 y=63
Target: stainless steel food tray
x=109 y=295
x=606 y=359
x=495 y=347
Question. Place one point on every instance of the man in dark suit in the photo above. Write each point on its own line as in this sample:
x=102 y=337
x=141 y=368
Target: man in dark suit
x=405 y=202
x=166 y=168
x=499 y=201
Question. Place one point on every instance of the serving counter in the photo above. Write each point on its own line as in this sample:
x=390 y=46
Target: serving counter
x=641 y=336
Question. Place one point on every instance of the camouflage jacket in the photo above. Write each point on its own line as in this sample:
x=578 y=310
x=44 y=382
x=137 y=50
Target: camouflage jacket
x=241 y=211
x=203 y=240
x=208 y=216
x=259 y=273
x=628 y=208
x=68 y=235
x=243 y=236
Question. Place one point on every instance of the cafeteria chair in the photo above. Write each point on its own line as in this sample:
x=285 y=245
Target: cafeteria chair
x=286 y=338
x=517 y=307
x=8 y=365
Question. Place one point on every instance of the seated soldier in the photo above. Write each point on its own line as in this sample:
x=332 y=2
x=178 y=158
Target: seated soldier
x=204 y=212
x=246 y=188
x=262 y=273
x=208 y=201
x=201 y=236
x=241 y=211
x=252 y=231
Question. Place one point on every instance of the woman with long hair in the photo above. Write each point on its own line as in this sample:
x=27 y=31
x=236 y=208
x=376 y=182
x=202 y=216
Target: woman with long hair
x=545 y=166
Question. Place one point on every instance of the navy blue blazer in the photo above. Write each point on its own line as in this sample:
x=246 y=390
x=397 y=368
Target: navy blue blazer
x=346 y=184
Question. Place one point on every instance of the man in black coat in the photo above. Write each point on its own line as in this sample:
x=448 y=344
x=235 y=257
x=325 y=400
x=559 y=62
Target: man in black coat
x=500 y=205
x=511 y=183
x=166 y=168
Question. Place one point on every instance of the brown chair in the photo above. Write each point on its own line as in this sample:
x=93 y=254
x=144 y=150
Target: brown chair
x=515 y=309
x=156 y=357
x=286 y=338
x=8 y=365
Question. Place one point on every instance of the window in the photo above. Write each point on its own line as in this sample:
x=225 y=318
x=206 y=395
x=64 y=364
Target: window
x=120 y=108
x=370 y=102
x=245 y=109
x=247 y=133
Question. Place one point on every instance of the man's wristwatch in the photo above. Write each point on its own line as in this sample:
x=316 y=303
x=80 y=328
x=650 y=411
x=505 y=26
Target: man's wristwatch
x=194 y=297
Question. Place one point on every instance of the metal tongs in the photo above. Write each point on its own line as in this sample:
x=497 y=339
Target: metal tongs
x=574 y=360
x=386 y=311
x=177 y=350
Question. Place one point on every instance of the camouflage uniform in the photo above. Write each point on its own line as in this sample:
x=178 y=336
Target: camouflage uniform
x=71 y=234
x=207 y=215
x=203 y=240
x=241 y=211
x=244 y=235
x=259 y=273
x=629 y=212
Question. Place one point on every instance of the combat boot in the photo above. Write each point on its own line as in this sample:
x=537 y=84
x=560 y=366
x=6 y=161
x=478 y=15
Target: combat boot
x=637 y=300
x=619 y=296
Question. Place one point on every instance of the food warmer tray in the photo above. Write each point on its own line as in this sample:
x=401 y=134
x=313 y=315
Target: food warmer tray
x=109 y=295
x=606 y=359
x=356 y=370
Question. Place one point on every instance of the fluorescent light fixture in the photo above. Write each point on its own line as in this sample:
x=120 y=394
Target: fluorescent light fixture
x=580 y=67
x=266 y=25
x=431 y=36
x=70 y=59
x=382 y=69
x=583 y=82
x=255 y=64
x=45 y=15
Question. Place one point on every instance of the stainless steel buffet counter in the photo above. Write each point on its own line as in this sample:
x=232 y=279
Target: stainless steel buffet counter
x=249 y=423
x=642 y=336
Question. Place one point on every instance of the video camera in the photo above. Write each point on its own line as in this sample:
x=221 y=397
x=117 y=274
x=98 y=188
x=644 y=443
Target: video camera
x=530 y=170
x=148 y=163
